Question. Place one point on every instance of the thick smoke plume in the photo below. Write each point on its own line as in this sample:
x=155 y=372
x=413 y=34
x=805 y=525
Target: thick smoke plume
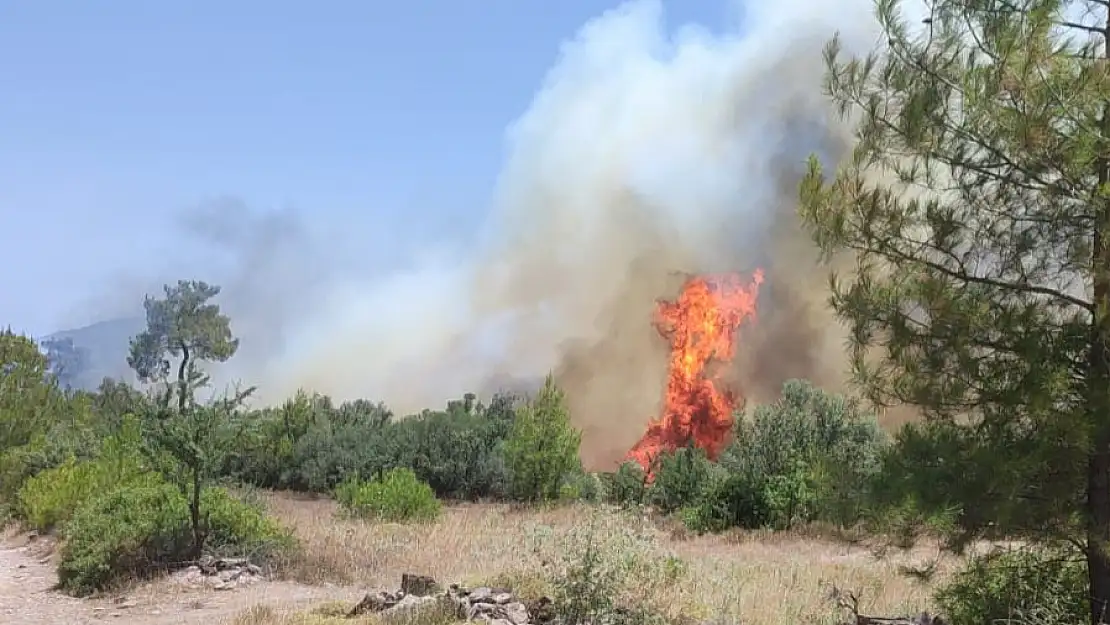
x=649 y=152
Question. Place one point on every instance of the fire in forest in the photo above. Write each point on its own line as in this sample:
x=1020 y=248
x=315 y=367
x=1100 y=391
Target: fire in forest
x=702 y=326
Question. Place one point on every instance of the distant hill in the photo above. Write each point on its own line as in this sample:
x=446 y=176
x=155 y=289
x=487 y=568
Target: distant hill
x=105 y=344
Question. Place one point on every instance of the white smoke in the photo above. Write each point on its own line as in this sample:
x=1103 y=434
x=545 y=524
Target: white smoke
x=649 y=150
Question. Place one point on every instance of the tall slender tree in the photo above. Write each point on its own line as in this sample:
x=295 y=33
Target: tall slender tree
x=977 y=204
x=186 y=327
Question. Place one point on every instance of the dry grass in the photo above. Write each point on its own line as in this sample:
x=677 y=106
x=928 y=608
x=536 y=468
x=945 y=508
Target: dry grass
x=335 y=614
x=763 y=579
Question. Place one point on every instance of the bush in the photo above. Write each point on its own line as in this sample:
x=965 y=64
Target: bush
x=1027 y=585
x=44 y=451
x=626 y=487
x=127 y=531
x=542 y=449
x=581 y=486
x=398 y=495
x=235 y=527
x=681 y=479
x=813 y=453
x=731 y=500
x=329 y=451
x=49 y=498
x=458 y=453
x=138 y=529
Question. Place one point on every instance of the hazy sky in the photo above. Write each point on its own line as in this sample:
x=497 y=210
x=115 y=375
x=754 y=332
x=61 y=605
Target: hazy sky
x=383 y=122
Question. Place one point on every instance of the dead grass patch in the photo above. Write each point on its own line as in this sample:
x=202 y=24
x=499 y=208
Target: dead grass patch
x=763 y=578
x=336 y=614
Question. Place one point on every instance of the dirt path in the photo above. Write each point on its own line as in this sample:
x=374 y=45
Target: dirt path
x=27 y=597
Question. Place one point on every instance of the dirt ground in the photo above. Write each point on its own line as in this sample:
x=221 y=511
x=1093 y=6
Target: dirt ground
x=27 y=595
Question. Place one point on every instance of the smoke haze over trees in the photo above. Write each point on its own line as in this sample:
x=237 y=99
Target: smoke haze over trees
x=651 y=149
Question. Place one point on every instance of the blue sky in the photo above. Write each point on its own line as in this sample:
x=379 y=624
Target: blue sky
x=366 y=117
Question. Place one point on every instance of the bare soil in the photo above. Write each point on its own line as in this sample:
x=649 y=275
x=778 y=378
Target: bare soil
x=28 y=597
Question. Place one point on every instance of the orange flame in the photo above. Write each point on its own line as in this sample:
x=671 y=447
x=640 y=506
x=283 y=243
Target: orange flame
x=701 y=326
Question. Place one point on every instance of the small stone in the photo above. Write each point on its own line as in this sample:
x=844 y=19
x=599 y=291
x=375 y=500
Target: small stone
x=419 y=585
x=516 y=613
x=480 y=595
x=480 y=609
x=229 y=575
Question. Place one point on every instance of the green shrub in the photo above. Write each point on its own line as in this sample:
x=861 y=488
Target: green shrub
x=814 y=453
x=44 y=451
x=1027 y=585
x=127 y=531
x=792 y=497
x=731 y=500
x=49 y=498
x=236 y=527
x=139 y=529
x=626 y=487
x=458 y=452
x=398 y=495
x=542 y=448
x=581 y=486
x=681 y=479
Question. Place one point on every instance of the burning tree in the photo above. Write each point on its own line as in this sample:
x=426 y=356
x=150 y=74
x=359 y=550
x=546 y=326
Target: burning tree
x=702 y=327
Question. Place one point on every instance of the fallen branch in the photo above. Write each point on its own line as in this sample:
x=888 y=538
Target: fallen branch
x=849 y=601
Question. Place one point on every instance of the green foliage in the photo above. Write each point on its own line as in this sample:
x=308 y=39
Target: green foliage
x=981 y=482
x=138 y=529
x=731 y=500
x=266 y=442
x=126 y=531
x=813 y=454
x=581 y=486
x=809 y=456
x=681 y=479
x=542 y=448
x=47 y=499
x=308 y=444
x=43 y=452
x=458 y=452
x=233 y=526
x=30 y=401
x=183 y=324
x=627 y=486
x=975 y=210
x=1024 y=585
x=398 y=495
x=189 y=440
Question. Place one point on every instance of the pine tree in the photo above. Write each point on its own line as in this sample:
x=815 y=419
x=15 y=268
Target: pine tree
x=542 y=448
x=977 y=206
